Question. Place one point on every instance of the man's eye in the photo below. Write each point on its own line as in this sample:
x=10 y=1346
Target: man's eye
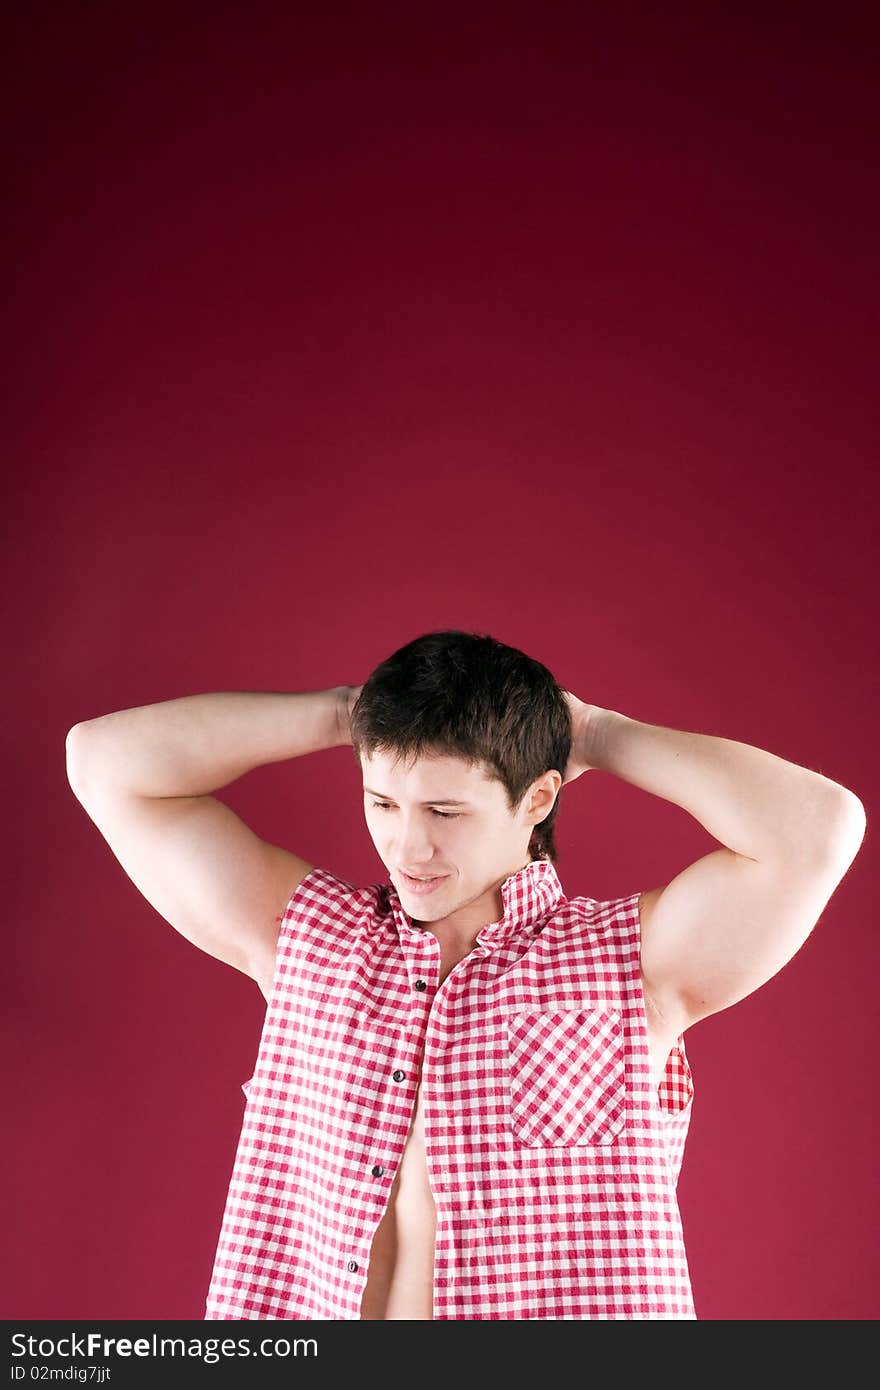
x=444 y=815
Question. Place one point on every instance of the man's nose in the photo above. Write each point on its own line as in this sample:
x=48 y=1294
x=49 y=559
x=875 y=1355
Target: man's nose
x=414 y=845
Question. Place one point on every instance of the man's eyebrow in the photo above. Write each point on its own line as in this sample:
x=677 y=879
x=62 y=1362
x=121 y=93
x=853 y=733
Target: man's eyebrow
x=436 y=801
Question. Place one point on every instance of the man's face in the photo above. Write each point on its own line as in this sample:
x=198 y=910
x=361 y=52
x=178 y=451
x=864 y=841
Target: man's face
x=468 y=848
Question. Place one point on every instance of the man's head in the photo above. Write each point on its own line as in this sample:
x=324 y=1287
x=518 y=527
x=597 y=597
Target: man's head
x=460 y=716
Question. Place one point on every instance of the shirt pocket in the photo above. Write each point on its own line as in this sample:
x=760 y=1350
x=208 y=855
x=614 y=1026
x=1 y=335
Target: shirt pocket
x=566 y=1077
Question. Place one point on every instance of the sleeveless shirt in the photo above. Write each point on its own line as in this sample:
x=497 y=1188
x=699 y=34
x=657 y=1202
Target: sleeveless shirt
x=552 y=1156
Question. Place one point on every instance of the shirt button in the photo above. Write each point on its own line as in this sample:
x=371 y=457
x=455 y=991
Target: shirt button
x=352 y=1265
x=420 y=984
x=398 y=1075
x=377 y=1171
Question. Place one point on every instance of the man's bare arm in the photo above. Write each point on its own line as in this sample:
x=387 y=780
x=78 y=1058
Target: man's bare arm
x=728 y=922
x=144 y=776
x=199 y=743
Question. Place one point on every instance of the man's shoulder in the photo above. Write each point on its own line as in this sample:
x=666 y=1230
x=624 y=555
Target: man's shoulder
x=324 y=890
x=582 y=917
x=583 y=905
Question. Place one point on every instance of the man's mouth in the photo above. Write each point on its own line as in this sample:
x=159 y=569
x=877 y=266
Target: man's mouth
x=421 y=884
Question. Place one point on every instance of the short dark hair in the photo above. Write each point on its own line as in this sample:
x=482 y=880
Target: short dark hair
x=467 y=695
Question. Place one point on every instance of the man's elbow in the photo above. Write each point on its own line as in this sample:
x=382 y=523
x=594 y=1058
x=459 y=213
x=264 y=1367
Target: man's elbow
x=74 y=755
x=846 y=831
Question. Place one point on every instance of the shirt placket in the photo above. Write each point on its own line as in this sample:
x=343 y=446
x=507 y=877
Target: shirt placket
x=421 y=965
x=451 y=1001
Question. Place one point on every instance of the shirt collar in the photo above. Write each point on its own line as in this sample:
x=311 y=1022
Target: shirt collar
x=527 y=896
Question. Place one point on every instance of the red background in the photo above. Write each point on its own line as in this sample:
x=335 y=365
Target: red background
x=328 y=331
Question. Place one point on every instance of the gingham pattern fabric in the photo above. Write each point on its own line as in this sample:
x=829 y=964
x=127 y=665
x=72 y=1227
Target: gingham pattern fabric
x=552 y=1156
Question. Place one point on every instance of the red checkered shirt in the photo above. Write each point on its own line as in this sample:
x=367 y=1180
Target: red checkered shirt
x=552 y=1156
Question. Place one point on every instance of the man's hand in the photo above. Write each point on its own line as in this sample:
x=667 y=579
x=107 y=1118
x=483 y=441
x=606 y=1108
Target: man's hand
x=585 y=720
x=347 y=695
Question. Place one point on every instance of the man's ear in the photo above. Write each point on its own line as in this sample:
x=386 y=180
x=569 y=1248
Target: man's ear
x=543 y=794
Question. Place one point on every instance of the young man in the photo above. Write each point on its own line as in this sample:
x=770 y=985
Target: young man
x=471 y=1094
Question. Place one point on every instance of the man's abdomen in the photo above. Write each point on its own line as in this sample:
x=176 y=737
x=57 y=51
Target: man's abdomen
x=400 y=1281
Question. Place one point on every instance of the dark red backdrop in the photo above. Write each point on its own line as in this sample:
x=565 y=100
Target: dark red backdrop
x=327 y=332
